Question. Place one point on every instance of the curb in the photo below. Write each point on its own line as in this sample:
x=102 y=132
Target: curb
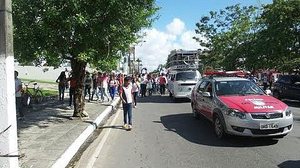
x=69 y=153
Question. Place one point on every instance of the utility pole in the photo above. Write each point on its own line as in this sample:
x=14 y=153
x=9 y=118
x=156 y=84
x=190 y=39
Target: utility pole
x=8 y=125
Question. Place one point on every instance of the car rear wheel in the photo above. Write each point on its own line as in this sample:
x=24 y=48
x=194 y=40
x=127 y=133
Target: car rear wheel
x=219 y=127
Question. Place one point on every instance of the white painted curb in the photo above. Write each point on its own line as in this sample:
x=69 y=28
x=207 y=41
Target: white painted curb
x=66 y=157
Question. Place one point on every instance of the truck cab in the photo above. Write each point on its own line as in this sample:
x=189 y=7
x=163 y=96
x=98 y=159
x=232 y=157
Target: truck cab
x=183 y=74
x=181 y=83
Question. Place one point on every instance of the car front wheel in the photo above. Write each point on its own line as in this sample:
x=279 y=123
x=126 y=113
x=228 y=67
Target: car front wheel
x=219 y=128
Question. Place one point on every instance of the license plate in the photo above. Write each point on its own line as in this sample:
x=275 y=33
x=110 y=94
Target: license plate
x=268 y=126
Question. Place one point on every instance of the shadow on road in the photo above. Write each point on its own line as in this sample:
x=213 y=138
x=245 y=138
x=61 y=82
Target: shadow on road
x=160 y=99
x=290 y=164
x=201 y=132
x=41 y=115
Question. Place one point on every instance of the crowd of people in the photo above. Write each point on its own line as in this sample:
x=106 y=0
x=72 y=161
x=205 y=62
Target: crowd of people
x=266 y=80
x=103 y=87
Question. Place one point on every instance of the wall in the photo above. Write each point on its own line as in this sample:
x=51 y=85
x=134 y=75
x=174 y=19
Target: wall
x=44 y=73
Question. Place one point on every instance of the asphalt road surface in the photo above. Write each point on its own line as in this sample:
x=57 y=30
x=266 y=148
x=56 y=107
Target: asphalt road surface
x=165 y=135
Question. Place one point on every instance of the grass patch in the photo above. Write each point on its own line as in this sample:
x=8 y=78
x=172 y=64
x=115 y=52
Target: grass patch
x=50 y=92
x=38 y=81
x=45 y=92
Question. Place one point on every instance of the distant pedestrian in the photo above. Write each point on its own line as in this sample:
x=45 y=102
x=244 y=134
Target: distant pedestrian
x=149 y=85
x=120 y=81
x=88 y=85
x=73 y=85
x=61 y=80
x=162 y=83
x=143 y=85
x=67 y=76
x=18 y=95
x=253 y=79
x=126 y=96
x=103 y=86
x=135 y=90
x=271 y=80
x=94 y=86
x=265 y=81
x=113 y=85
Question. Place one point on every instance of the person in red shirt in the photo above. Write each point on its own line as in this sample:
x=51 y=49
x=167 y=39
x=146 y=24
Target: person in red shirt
x=162 y=83
x=73 y=84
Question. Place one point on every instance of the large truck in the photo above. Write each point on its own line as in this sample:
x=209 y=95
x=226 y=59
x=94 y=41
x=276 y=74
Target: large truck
x=183 y=74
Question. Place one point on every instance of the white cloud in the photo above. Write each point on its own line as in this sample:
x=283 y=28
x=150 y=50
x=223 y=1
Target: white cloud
x=158 y=44
x=176 y=27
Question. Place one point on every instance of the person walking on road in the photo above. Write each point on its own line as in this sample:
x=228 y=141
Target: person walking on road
x=61 y=80
x=73 y=84
x=126 y=96
x=95 y=87
x=143 y=85
x=265 y=82
x=88 y=85
x=135 y=90
x=102 y=86
x=162 y=84
x=149 y=85
x=113 y=85
x=18 y=95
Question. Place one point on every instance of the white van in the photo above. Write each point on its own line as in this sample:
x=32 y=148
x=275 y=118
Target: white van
x=181 y=83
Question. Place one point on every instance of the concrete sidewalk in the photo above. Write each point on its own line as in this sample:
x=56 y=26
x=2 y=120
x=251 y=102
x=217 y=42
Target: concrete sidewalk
x=50 y=137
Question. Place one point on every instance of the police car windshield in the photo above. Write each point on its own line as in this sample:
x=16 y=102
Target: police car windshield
x=237 y=88
x=186 y=76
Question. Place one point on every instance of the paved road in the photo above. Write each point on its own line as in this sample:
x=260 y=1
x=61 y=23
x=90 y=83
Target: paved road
x=166 y=135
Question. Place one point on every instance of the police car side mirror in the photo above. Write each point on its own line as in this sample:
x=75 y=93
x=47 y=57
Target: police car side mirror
x=206 y=94
x=269 y=92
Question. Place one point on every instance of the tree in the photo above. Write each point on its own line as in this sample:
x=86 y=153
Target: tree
x=225 y=31
x=253 y=38
x=78 y=30
x=279 y=36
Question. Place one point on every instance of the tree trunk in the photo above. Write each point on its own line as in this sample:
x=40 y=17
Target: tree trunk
x=78 y=69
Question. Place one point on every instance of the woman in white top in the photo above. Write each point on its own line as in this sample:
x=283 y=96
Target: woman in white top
x=135 y=90
x=127 y=100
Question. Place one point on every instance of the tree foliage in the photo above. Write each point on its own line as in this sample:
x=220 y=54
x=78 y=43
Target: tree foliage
x=280 y=34
x=224 y=32
x=80 y=31
x=252 y=37
x=85 y=30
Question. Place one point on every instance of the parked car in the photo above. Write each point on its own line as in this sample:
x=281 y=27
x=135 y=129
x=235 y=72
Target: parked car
x=287 y=87
x=237 y=106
